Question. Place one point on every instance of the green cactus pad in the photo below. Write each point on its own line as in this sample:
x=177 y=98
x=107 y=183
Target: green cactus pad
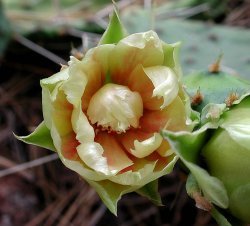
x=215 y=88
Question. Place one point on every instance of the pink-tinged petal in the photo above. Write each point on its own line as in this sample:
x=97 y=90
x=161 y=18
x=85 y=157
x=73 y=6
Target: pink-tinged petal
x=116 y=156
x=173 y=118
x=140 y=48
x=127 y=139
x=78 y=166
x=139 y=81
x=61 y=116
x=69 y=145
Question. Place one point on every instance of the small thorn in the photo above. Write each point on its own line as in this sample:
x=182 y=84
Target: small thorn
x=63 y=66
x=231 y=98
x=215 y=67
x=197 y=98
x=201 y=202
x=77 y=54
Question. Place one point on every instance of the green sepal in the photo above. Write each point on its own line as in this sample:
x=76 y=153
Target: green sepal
x=192 y=186
x=115 y=30
x=40 y=137
x=220 y=218
x=150 y=191
x=195 y=192
x=110 y=192
x=187 y=146
x=171 y=57
x=225 y=219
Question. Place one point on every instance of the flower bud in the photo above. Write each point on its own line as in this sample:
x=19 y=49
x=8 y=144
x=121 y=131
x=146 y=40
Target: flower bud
x=227 y=155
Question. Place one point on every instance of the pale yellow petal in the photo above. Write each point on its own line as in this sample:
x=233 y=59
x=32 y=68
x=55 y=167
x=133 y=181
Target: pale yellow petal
x=100 y=55
x=140 y=144
x=146 y=147
x=115 y=108
x=84 y=131
x=165 y=83
x=92 y=155
x=140 y=82
x=140 y=48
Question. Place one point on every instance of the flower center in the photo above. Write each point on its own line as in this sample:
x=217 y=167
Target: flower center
x=115 y=108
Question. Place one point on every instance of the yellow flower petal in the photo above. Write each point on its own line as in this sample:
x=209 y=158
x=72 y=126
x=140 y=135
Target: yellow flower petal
x=115 y=108
x=84 y=131
x=140 y=82
x=92 y=155
x=140 y=48
x=100 y=55
x=49 y=92
x=165 y=82
x=140 y=144
x=84 y=80
x=146 y=147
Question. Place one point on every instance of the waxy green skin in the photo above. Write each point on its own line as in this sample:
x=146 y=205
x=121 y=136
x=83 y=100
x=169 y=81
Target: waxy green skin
x=227 y=155
x=214 y=87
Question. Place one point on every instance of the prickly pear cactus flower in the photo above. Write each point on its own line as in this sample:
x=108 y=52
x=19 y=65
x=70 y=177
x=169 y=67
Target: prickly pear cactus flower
x=103 y=114
x=218 y=157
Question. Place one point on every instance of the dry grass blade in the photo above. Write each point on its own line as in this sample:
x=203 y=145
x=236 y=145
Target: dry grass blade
x=28 y=165
x=42 y=51
x=73 y=208
x=83 y=198
x=6 y=163
x=62 y=202
x=42 y=215
x=97 y=215
x=100 y=15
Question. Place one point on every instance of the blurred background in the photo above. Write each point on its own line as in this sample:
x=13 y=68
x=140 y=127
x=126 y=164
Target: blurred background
x=36 y=36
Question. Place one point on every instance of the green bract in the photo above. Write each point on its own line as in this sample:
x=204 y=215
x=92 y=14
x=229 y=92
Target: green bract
x=103 y=114
x=218 y=152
